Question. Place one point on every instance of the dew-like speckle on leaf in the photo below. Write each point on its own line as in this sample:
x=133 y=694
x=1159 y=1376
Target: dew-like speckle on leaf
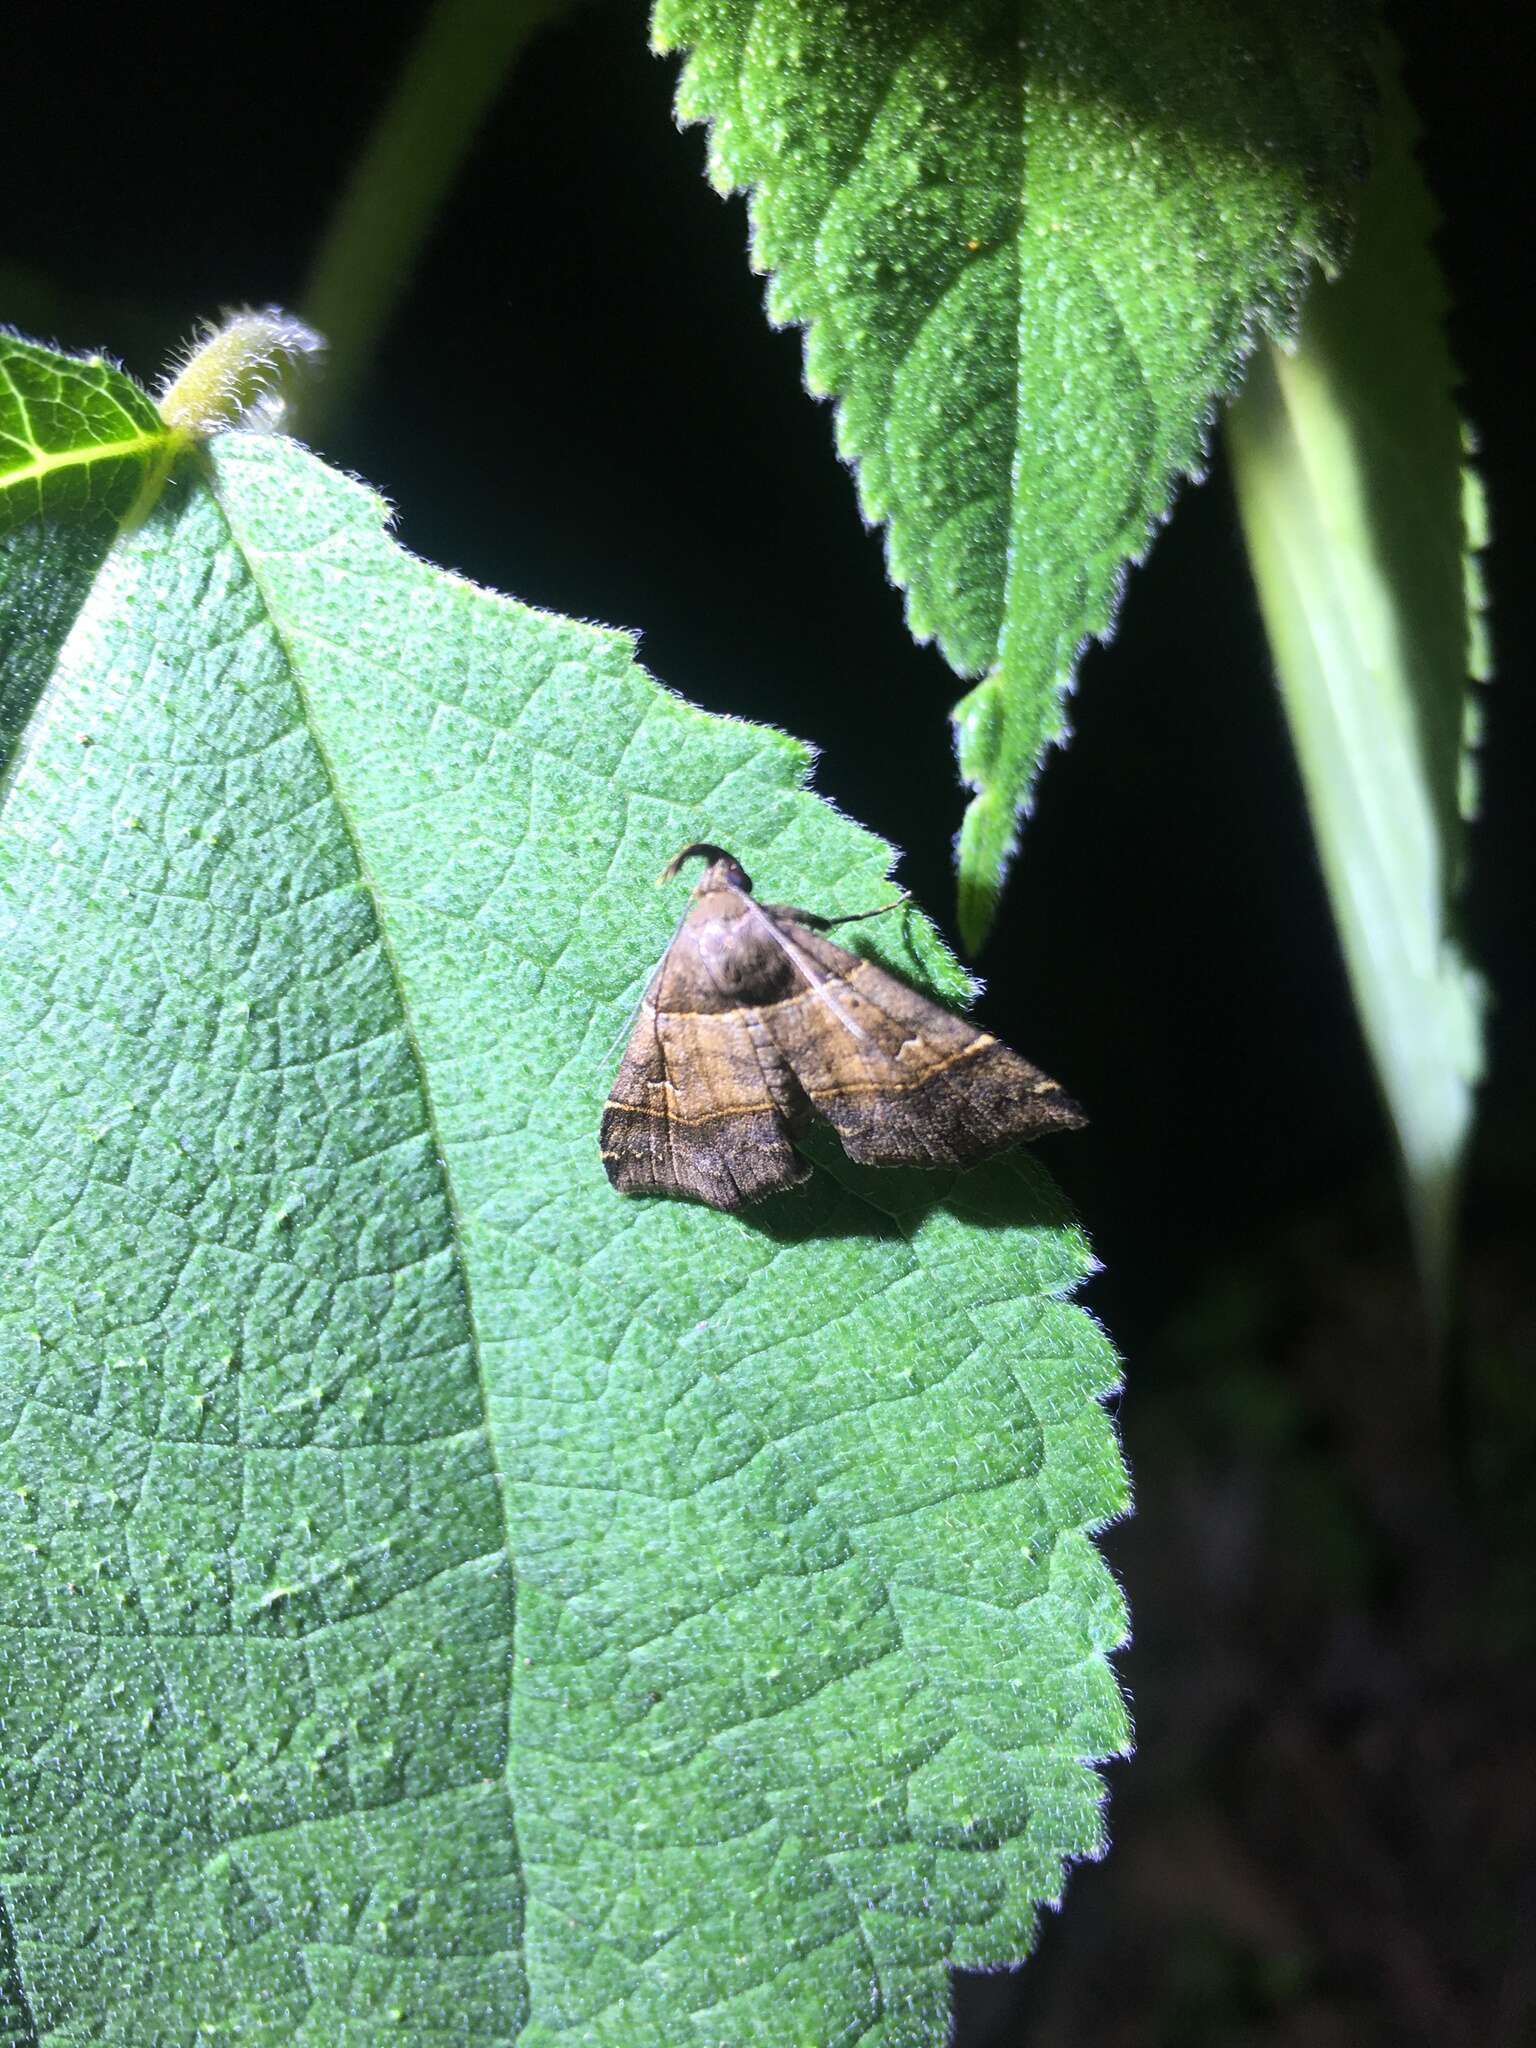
x=1148 y=185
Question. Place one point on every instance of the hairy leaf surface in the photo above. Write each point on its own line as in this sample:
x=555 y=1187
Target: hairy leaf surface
x=439 y=1598
x=1031 y=247
x=78 y=439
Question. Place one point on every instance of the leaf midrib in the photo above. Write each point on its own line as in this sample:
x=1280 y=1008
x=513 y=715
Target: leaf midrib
x=44 y=462
x=250 y=557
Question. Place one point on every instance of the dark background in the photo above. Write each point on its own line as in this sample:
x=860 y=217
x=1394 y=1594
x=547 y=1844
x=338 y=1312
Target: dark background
x=1326 y=1836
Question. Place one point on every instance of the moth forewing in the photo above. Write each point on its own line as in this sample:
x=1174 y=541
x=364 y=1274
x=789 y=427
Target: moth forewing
x=754 y=1014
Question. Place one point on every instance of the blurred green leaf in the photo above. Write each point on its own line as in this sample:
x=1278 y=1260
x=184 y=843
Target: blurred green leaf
x=439 y=1596
x=1030 y=249
x=1363 y=519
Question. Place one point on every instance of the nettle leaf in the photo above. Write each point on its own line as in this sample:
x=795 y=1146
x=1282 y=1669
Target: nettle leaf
x=79 y=440
x=1031 y=249
x=441 y=1597
x=84 y=452
x=1364 y=520
x=46 y=574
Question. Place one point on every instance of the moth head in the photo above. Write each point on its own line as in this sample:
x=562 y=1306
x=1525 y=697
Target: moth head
x=723 y=871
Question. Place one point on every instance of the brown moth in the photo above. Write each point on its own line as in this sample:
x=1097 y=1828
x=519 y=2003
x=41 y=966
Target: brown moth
x=753 y=1022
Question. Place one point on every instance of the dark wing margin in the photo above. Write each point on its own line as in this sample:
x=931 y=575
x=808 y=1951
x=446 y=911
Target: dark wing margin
x=903 y=1081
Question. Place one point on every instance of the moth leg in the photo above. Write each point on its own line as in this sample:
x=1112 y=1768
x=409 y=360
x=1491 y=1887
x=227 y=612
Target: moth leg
x=818 y=923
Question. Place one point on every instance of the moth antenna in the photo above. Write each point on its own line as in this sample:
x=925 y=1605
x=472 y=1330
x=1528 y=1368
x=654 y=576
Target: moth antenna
x=621 y=1036
x=700 y=849
x=646 y=986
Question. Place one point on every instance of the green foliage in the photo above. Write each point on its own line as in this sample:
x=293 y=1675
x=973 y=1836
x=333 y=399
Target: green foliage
x=1363 y=520
x=438 y=1597
x=1030 y=251
x=46 y=573
x=78 y=439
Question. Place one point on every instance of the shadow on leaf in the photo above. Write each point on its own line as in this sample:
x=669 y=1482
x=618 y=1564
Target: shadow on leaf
x=1011 y=1192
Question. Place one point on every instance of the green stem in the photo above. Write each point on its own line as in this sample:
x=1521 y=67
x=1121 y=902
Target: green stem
x=366 y=255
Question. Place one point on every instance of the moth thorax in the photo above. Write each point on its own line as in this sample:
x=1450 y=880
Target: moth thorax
x=739 y=957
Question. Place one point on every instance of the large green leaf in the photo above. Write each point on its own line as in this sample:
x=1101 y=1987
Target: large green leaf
x=1363 y=520
x=442 y=1599
x=1031 y=247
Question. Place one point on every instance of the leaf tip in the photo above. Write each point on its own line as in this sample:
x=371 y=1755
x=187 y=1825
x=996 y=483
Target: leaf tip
x=987 y=841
